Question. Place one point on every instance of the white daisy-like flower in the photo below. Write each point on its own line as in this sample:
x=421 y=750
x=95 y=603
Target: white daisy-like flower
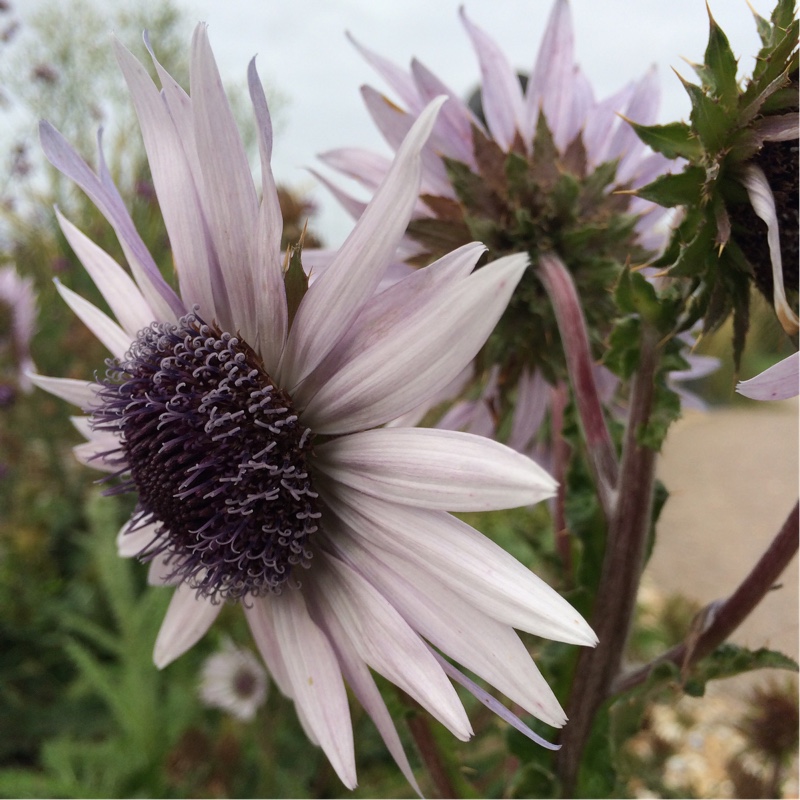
x=246 y=415
x=232 y=679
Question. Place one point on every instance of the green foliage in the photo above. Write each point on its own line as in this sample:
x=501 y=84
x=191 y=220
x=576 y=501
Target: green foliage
x=720 y=244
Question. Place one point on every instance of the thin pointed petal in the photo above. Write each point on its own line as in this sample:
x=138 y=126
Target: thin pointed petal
x=101 y=325
x=334 y=301
x=316 y=682
x=118 y=289
x=187 y=621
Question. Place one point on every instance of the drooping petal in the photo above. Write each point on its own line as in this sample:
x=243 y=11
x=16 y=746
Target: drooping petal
x=134 y=538
x=500 y=90
x=316 y=681
x=358 y=677
x=335 y=300
x=779 y=382
x=187 y=620
x=160 y=297
x=93 y=452
x=384 y=640
x=429 y=468
x=101 y=325
x=258 y=612
x=79 y=393
x=463 y=559
x=760 y=193
x=454 y=625
x=118 y=289
x=417 y=352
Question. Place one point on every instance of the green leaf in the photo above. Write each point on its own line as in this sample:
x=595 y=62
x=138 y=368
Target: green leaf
x=295 y=281
x=683 y=189
x=709 y=118
x=674 y=140
x=731 y=659
x=721 y=66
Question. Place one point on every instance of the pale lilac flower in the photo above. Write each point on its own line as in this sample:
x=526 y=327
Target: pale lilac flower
x=233 y=680
x=588 y=134
x=779 y=382
x=18 y=297
x=246 y=416
x=557 y=87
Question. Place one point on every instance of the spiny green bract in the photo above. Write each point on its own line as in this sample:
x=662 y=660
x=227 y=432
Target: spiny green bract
x=721 y=245
x=549 y=201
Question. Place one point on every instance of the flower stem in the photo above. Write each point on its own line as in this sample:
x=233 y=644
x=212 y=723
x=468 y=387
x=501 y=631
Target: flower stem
x=615 y=600
x=436 y=763
x=575 y=340
x=725 y=616
x=561 y=451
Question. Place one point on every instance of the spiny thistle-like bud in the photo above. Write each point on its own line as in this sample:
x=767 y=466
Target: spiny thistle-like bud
x=739 y=189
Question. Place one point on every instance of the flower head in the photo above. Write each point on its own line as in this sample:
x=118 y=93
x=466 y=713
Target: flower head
x=532 y=163
x=245 y=411
x=233 y=680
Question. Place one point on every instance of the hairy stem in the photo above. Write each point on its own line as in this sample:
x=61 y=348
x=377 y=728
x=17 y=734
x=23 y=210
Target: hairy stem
x=575 y=340
x=723 y=617
x=615 y=600
x=561 y=451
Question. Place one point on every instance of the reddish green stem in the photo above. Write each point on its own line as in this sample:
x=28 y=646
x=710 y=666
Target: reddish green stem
x=724 y=617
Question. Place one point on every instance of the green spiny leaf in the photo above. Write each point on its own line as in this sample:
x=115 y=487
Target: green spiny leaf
x=674 y=140
x=709 y=118
x=683 y=189
x=731 y=659
x=721 y=66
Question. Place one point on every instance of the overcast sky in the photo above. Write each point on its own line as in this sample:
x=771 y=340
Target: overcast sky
x=302 y=50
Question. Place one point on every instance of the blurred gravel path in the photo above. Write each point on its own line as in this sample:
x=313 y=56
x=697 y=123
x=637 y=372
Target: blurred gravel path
x=733 y=477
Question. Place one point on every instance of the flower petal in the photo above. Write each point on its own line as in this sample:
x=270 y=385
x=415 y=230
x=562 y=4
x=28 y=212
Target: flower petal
x=416 y=352
x=454 y=625
x=229 y=194
x=271 y=312
x=429 y=468
x=500 y=90
x=316 y=681
x=187 y=620
x=118 y=289
x=334 y=301
x=101 y=191
x=464 y=560
x=384 y=640
x=134 y=538
x=760 y=193
x=358 y=677
x=101 y=325
x=190 y=240
x=779 y=382
x=79 y=393
x=552 y=78
x=258 y=612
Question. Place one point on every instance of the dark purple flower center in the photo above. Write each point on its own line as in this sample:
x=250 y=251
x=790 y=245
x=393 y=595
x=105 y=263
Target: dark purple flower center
x=217 y=455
